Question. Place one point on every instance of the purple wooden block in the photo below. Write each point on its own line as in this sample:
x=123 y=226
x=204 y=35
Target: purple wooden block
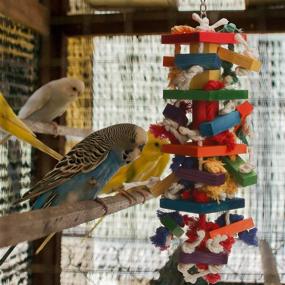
x=199 y=176
x=203 y=257
x=176 y=114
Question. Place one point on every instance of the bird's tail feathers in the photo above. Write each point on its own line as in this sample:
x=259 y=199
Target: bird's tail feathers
x=44 y=243
x=7 y=253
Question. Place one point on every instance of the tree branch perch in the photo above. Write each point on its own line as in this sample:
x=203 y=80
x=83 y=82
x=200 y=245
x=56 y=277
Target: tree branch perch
x=19 y=227
x=50 y=129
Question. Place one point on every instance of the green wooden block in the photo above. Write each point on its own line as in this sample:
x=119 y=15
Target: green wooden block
x=213 y=95
x=172 y=226
x=243 y=179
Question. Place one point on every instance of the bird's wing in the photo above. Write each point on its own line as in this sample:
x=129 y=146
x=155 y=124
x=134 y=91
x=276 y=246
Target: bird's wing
x=78 y=160
x=36 y=102
x=117 y=180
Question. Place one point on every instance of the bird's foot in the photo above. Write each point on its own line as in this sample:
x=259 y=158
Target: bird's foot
x=55 y=128
x=142 y=193
x=128 y=196
x=103 y=204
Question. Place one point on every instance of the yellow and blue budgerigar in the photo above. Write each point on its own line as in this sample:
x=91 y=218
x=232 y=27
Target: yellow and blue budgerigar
x=151 y=163
x=84 y=170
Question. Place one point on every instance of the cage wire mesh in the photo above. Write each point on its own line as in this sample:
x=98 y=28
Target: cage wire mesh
x=128 y=79
x=19 y=68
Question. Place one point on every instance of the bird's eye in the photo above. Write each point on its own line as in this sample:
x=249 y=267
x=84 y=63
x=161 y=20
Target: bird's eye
x=141 y=146
x=156 y=144
x=74 y=89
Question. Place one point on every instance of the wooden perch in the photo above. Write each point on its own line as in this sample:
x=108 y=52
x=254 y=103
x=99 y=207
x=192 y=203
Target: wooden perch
x=19 y=227
x=271 y=276
x=51 y=129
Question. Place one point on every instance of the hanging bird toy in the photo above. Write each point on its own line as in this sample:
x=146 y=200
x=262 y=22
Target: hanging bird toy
x=207 y=168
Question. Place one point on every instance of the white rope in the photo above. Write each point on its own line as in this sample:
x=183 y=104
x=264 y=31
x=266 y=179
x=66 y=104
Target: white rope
x=173 y=191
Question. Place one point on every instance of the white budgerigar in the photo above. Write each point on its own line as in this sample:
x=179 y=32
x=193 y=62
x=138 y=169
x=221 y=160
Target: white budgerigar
x=51 y=100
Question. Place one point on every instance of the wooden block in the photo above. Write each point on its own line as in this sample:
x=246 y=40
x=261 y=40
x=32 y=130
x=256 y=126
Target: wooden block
x=210 y=48
x=200 y=37
x=199 y=256
x=209 y=61
x=175 y=114
x=202 y=208
x=168 y=61
x=199 y=81
x=233 y=228
x=206 y=47
x=199 y=176
x=243 y=179
x=222 y=94
x=171 y=225
x=195 y=47
x=244 y=109
x=161 y=186
x=203 y=151
x=239 y=59
x=219 y=124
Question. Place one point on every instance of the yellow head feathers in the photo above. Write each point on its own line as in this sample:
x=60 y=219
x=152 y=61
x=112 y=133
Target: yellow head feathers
x=151 y=163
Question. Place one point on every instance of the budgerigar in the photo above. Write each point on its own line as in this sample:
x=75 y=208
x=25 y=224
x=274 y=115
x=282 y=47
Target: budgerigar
x=85 y=169
x=49 y=101
x=12 y=124
x=151 y=163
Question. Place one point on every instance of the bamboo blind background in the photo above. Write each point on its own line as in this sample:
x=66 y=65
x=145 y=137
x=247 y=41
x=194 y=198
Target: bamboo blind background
x=128 y=82
x=80 y=65
x=19 y=68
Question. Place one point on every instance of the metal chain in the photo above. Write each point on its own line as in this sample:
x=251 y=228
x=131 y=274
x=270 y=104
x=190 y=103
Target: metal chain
x=203 y=8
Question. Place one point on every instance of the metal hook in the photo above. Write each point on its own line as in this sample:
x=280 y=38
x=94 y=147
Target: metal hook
x=203 y=9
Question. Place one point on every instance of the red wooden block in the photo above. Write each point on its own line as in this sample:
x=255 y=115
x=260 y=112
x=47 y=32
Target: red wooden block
x=233 y=228
x=203 y=111
x=244 y=109
x=168 y=61
x=203 y=151
x=200 y=37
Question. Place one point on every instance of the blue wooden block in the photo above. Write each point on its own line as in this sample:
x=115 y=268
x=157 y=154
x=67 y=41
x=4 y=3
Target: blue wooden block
x=209 y=61
x=220 y=124
x=202 y=208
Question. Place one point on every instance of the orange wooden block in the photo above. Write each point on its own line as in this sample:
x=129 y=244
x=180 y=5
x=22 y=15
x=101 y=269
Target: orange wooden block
x=239 y=59
x=201 y=79
x=244 y=109
x=203 y=151
x=206 y=48
x=160 y=187
x=233 y=228
x=168 y=61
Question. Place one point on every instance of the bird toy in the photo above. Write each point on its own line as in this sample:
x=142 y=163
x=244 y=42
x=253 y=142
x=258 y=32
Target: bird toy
x=207 y=167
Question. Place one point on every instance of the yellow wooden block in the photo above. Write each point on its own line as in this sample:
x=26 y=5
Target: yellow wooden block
x=194 y=48
x=239 y=59
x=201 y=79
x=207 y=48
x=210 y=48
